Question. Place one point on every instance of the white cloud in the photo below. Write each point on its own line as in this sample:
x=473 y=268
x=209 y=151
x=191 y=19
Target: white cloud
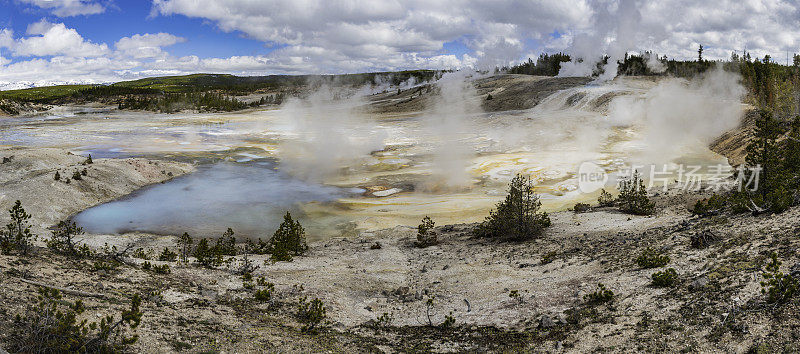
x=67 y=8
x=6 y=38
x=56 y=39
x=147 y=45
x=323 y=36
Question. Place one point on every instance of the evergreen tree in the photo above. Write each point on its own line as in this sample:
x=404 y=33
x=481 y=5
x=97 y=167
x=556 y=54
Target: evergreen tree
x=289 y=240
x=633 y=197
x=18 y=232
x=518 y=216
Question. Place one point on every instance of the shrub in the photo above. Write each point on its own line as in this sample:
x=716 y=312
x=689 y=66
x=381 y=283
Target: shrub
x=77 y=175
x=549 y=257
x=206 y=255
x=167 y=255
x=581 y=207
x=52 y=326
x=104 y=265
x=265 y=294
x=778 y=287
x=606 y=199
x=311 y=314
x=384 y=320
x=17 y=234
x=425 y=234
x=57 y=176
x=162 y=269
x=140 y=253
x=449 y=321
x=63 y=240
x=633 y=197
x=650 y=258
x=665 y=278
x=710 y=206
x=289 y=240
x=518 y=216
x=88 y=160
x=601 y=295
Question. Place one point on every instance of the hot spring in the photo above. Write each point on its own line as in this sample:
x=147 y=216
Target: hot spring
x=339 y=168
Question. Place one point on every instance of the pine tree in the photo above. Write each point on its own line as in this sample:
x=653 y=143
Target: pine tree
x=764 y=152
x=289 y=240
x=185 y=245
x=633 y=197
x=18 y=233
x=518 y=216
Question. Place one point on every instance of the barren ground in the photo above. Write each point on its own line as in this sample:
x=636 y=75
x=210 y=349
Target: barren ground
x=716 y=305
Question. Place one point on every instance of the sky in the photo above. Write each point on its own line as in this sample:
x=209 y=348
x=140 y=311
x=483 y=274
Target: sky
x=47 y=42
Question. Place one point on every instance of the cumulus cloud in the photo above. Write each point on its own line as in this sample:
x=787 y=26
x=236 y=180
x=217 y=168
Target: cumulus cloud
x=147 y=45
x=48 y=39
x=67 y=8
x=319 y=36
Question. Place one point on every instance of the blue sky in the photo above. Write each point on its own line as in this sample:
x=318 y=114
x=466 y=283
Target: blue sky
x=45 y=42
x=128 y=17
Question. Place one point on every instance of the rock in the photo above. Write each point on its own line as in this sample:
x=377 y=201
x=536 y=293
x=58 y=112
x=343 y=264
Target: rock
x=403 y=290
x=546 y=322
x=698 y=283
x=99 y=286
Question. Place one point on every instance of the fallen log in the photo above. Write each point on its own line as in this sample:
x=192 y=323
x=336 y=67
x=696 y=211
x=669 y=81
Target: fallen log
x=63 y=290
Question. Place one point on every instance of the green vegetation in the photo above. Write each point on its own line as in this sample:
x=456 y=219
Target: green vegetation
x=52 y=326
x=518 y=216
x=549 y=257
x=264 y=294
x=425 y=234
x=774 y=159
x=665 y=278
x=599 y=296
x=185 y=246
x=17 y=235
x=633 y=197
x=650 y=258
x=63 y=240
x=606 y=199
x=167 y=255
x=207 y=255
x=162 y=269
x=289 y=240
x=581 y=207
x=449 y=321
x=710 y=206
x=778 y=287
x=310 y=314
x=546 y=64
x=175 y=102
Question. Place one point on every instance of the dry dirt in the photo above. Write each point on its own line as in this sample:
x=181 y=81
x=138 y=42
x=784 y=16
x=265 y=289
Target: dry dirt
x=715 y=306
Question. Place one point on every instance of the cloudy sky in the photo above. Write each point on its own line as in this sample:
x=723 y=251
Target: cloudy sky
x=45 y=42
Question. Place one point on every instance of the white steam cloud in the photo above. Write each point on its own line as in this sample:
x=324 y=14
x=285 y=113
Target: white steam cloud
x=677 y=114
x=330 y=134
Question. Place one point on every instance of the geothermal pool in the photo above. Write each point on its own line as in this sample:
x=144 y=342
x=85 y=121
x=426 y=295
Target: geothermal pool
x=340 y=169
